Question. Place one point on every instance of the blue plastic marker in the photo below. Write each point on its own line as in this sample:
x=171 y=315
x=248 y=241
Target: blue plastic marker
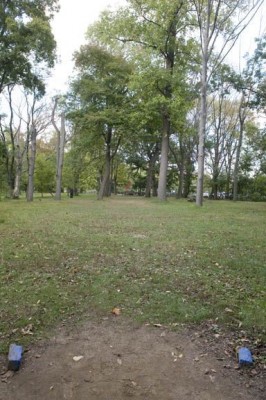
x=14 y=357
x=245 y=356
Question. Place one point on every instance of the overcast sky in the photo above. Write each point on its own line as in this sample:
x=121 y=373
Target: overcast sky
x=69 y=28
x=71 y=23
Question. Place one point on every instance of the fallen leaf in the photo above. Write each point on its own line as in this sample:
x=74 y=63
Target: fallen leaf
x=116 y=311
x=77 y=358
x=27 y=330
x=228 y=310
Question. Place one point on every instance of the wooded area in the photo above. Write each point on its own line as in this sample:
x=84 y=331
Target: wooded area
x=153 y=106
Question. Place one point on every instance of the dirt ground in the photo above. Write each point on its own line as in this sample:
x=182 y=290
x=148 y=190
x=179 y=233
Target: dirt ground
x=114 y=359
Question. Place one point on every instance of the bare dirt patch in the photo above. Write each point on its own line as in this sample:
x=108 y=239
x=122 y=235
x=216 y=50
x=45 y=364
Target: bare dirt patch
x=114 y=359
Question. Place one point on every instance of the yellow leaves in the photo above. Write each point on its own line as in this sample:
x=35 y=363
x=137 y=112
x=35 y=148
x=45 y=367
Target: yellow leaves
x=116 y=311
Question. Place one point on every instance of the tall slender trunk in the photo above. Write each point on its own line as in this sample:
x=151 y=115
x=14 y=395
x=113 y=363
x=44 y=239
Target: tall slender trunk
x=164 y=159
x=238 y=150
x=149 y=181
x=236 y=169
x=203 y=118
x=104 y=189
x=215 y=179
x=105 y=183
x=168 y=93
x=60 y=157
x=32 y=158
x=150 y=172
x=18 y=173
x=180 y=182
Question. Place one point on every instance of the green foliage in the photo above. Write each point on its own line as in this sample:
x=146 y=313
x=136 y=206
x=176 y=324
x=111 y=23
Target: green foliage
x=101 y=86
x=259 y=187
x=44 y=178
x=101 y=104
x=79 y=172
x=26 y=39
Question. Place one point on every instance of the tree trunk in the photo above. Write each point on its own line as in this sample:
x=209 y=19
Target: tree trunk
x=60 y=157
x=154 y=188
x=180 y=182
x=203 y=118
x=236 y=169
x=168 y=92
x=18 y=173
x=215 y=180
x=32 y=157
x=105 y=183
x=164 y=160
x=150 y=172
x=238 y=150
x=149 y=181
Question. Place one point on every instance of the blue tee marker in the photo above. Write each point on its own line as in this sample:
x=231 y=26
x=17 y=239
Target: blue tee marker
x=244 y=356
x=14 y=357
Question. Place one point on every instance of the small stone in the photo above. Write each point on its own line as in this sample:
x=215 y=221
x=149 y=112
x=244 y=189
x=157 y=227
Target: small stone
x=77 y=358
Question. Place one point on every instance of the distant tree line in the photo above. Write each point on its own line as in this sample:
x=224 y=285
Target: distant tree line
x=153 y=108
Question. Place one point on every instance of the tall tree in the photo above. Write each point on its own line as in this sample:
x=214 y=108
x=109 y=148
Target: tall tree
x=60 y=148
x=157 y=28
x=221 y=21
x=38 y=120
x=103 y=101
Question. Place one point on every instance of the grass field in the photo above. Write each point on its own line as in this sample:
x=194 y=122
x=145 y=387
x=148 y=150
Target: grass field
x=167 y=263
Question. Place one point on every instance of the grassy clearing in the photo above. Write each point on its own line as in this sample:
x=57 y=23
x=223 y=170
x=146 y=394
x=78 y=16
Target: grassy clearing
x=164 y=263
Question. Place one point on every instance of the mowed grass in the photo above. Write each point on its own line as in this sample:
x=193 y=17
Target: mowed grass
x=167 y=263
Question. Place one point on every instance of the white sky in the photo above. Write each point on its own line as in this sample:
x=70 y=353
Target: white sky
x=71 y=23
x=69 y=28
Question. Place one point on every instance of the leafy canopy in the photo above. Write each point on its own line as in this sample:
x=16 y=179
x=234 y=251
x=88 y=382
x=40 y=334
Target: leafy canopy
x=26 y=40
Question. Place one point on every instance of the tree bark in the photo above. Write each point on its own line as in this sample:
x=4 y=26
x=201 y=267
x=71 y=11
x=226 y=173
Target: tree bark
x=32 y=158
x=150 y=172
x=104 y=189
x=242 y=117
x=179 y=193
x=18 y=173
x=203 y=118
x=60 y=157
x=164 y=160
x=105 y=183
